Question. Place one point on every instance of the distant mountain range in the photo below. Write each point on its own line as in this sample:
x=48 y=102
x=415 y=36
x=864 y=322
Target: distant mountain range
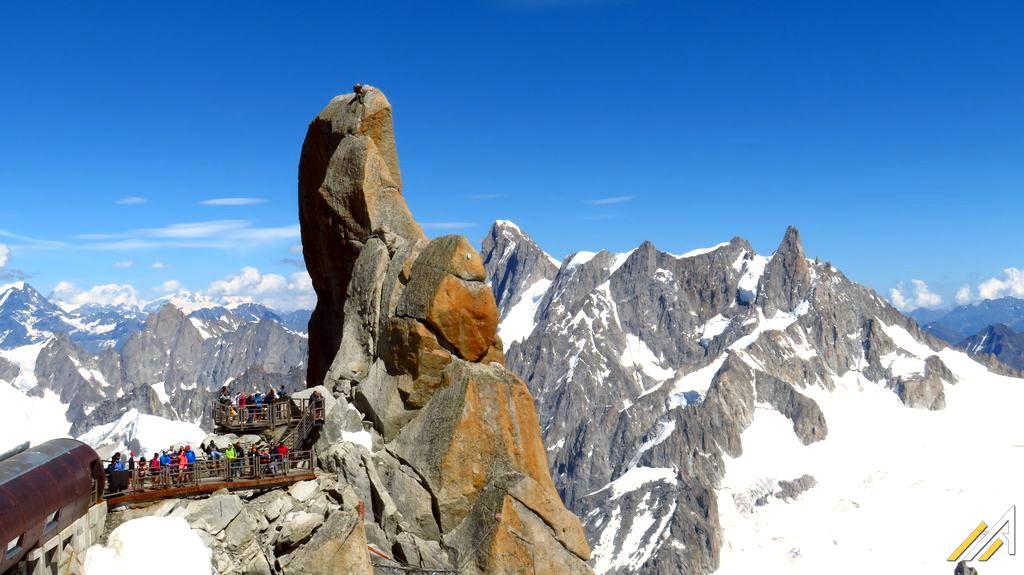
x=991 y=327
x=964 y=321
x=68 y=369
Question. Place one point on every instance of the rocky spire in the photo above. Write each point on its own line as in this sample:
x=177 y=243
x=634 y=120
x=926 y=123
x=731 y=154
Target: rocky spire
x=515 y=263
x=350 y=192
x=787 y=278
x=407 y=329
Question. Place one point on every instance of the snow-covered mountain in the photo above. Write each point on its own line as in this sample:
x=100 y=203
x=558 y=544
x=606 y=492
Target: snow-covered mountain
x=967 y=320
x=999 y=341
x=68 y=370
x=27 y=317
x=722 y=409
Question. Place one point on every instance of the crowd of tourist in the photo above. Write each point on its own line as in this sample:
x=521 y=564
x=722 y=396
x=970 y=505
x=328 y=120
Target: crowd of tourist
x=177 y=466
x=181 y=465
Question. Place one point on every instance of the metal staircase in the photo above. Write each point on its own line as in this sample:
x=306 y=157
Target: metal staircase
x=299 y=430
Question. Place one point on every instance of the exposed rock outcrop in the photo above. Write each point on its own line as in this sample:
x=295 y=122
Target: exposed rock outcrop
x=514 y=264
x=314 y=528
x=406 y=329
x=649 y=367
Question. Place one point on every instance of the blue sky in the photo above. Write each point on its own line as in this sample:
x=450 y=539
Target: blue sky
x=891 y=135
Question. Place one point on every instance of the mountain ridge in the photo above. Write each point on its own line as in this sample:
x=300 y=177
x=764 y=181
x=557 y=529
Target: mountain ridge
x=647 y=369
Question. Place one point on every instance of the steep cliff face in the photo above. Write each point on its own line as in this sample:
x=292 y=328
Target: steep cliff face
x=406 y=329
x=659 y=375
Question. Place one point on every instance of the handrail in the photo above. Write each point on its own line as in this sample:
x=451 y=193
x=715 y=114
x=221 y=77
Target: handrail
x=254 y=416
x=205 y=471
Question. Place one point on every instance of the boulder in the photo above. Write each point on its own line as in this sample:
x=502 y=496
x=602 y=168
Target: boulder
x=337 y=548
x=423 y=553
x=298 y=527
x=221 y=442
x=791 y=489
x=304 y=490
x=414 y=350
x=256 y=564
x=447 y=291
x=275 y=503
x=341 y=422
x=214 y=513
x=241 y=531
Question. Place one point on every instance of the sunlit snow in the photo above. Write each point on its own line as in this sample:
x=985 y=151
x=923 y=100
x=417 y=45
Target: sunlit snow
x=897 y=488
x=519 y=323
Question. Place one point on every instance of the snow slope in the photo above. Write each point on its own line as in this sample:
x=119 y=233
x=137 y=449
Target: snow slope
x=519 y=322
x=32 y=419
x=897 y=488
x=151 y=432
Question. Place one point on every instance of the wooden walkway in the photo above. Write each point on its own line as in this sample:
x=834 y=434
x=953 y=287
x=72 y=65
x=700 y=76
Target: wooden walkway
x=206 y=488
x=206 y=476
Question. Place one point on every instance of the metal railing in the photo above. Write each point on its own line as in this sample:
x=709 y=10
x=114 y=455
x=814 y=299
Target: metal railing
x=209 y=471
x=299 y=430
x=254 y=416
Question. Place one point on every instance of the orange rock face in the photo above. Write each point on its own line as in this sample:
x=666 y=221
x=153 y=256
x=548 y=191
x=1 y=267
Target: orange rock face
x=414 y=350
x=480 y=431
x=465 y=315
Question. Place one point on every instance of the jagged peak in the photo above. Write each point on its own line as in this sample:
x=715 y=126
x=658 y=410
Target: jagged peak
x=16 y=286
x=506 y=224
x=791 y=244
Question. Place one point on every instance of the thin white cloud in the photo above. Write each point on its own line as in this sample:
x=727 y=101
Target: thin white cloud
x=107 y=294
x=32 y=242
x=233 y=201
x=921 y=296
x=124 y=264
x=132 y=201
x=5 y=255
x=295 y=249
x=216 y=234
x=611 y=200
x=446 y=225
x=160 y=266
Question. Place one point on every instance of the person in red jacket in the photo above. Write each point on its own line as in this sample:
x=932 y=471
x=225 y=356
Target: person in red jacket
x=281 y=458
x=154 y=469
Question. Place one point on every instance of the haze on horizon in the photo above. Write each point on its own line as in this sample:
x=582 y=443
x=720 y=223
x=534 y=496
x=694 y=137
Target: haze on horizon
x=154 y=150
